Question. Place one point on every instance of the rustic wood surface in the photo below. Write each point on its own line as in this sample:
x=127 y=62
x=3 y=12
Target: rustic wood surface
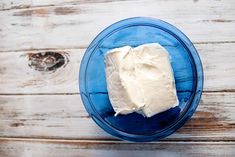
x=64 y=117
x=41 y=46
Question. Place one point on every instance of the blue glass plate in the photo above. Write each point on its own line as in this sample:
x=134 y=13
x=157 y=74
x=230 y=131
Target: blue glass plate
x=186 y=66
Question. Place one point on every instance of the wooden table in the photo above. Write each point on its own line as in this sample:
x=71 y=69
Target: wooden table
x=41 y=46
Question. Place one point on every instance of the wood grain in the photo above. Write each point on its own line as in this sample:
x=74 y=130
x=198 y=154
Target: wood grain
x=74 y=26
x=17 y=77
x=64 y=117
x=39 y=148
x=23 y=4
x=41 y=113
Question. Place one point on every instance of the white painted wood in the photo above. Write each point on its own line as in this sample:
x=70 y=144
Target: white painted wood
x=23 y=148
x=10 y=4
x=21 y=4
x=32 y=26
x=218 y=65
x=73 y=26
x=64 y=117
x=17 y=77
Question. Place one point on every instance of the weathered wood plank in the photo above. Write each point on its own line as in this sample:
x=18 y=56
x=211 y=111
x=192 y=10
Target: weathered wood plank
x=17 y=77
x=218 y=65
x=22 y=4
x=6 y=4
x=41 y=148
x=64 y=117
x=73 y=26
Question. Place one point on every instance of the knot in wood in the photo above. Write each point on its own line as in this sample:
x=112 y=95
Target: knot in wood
x=47 y=61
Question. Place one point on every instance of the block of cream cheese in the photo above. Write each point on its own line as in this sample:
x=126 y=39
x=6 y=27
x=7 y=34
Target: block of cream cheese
x=140 y=80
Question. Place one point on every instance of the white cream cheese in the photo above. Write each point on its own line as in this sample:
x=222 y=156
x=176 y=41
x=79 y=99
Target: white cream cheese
x=140 y=80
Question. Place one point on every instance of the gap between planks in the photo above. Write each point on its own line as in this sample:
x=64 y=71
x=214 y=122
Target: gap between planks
x=23 y=94
x=86 y=46
x=106 y=140
x=109 y=141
